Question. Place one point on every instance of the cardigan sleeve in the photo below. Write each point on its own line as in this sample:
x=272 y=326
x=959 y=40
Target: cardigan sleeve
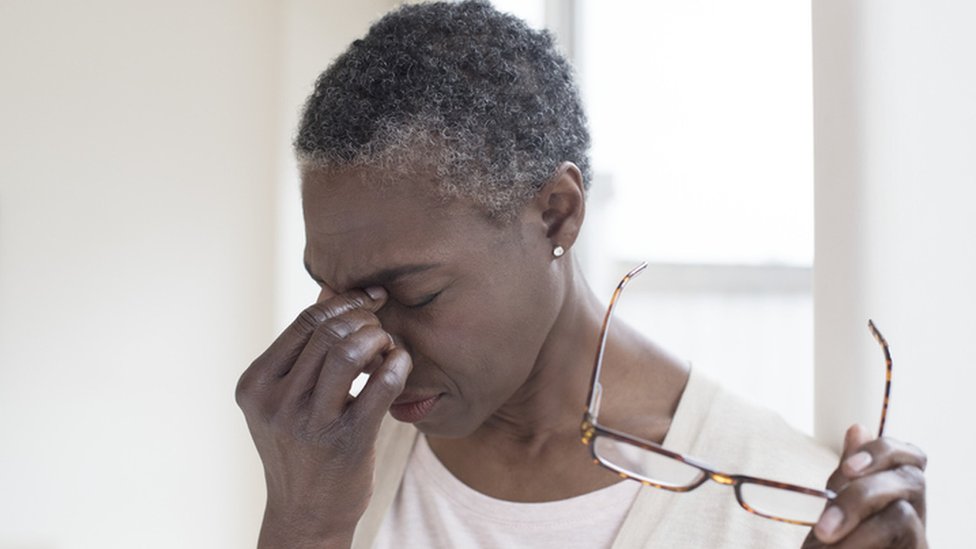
x=393 y=446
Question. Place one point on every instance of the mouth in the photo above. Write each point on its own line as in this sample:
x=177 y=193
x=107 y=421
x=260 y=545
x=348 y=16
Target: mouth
x=411 y=408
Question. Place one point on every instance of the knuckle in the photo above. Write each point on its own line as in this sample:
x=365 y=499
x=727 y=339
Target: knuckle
x=881 y=445
x=857 y=491
x=242 y=397
x=375 y=332
x=912 y=476
x=390 y=382
x=399 y=354
x=896 y=526
x=335 y=306
x=902 y=510
x=346 y=355
x=331 y=331
x=311 y=317
x=362 y=317
x=348 y=301
x=244 y=391
x=923 y=459
x=894 y=537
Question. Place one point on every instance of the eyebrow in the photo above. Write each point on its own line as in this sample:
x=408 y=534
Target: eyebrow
x=384 y=277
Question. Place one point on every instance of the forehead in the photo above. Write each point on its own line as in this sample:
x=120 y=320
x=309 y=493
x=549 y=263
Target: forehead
x=355 y=226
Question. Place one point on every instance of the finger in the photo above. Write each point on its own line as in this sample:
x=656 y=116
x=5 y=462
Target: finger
x=281 y=355
x=856 y=436
x=383 y=387
x=896 y=526
x=865 y=496
x=342 y=364
x=881 y=454
x=300 y=380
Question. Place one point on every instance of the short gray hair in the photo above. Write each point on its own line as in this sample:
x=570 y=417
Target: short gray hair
x=472 y=95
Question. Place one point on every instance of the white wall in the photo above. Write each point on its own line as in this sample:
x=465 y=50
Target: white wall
x=313 y=34
x=150 y=247
x=895 y=124
x=135 y=246
x=736 y=325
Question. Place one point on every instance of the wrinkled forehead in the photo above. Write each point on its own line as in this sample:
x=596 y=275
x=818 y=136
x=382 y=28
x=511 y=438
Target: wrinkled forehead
x=356 y=225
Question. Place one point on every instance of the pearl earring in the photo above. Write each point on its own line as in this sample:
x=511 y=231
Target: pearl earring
x=558 y=251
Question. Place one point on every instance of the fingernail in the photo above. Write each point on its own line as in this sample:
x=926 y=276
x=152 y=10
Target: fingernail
x=859 y=461
x=376 y=292
x=830 y=520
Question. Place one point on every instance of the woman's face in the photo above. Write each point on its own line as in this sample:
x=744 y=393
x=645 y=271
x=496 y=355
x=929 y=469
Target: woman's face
x=472 y=302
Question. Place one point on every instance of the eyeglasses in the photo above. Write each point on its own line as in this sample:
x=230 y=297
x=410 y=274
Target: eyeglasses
x=649 y=463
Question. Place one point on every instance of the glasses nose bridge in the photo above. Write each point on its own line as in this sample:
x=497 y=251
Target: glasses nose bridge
x=721 y=478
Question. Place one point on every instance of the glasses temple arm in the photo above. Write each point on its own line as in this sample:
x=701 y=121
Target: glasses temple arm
x=887 y=392
x=596 y=390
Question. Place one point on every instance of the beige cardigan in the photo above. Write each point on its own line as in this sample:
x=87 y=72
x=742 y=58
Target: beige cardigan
x=710 y=424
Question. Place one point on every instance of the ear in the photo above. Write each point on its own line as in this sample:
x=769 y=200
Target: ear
x=560 y=206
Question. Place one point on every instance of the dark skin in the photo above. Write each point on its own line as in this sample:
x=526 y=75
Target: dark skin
x=435 y=299
x=881 y=495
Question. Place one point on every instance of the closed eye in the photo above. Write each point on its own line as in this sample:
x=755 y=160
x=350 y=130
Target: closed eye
x=426 y=301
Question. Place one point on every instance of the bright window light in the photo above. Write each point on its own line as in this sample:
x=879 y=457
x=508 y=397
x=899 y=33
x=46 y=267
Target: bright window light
x=701 y=114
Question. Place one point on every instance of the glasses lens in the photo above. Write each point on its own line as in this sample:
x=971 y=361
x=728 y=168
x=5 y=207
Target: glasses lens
x=782 y=504
x=645 y=465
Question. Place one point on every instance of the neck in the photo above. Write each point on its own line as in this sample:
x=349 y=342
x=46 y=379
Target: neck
x=645 y=380
x=552 y=399
x=529 y=449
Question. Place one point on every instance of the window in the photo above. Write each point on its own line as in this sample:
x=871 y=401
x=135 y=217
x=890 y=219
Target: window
x=701 y=118
x=701 y=114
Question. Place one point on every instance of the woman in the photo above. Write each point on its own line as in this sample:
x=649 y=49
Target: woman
x=444 y=170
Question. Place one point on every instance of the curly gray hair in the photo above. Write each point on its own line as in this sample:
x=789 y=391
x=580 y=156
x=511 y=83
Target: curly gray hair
x=475 y=96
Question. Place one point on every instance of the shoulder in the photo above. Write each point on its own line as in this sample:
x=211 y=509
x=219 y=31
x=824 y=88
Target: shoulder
x=741 y=437
x=734 y=436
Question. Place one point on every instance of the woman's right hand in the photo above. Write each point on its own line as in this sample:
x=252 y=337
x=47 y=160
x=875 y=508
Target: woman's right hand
x=316 y=443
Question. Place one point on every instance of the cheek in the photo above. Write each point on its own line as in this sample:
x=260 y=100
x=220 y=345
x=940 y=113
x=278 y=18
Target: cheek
x=454 y=341
x=486 y=349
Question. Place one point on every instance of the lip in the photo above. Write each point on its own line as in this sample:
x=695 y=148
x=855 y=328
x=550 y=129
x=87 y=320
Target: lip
x=413 y=408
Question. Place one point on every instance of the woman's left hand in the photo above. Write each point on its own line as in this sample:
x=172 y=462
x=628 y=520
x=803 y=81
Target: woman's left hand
x=880 y=502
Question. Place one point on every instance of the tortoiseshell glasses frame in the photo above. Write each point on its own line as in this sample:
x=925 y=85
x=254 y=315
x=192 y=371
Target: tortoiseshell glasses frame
x=592 y=429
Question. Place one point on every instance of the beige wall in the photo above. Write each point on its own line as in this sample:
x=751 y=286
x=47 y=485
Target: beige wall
x=895 y=126
x=142 y=153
